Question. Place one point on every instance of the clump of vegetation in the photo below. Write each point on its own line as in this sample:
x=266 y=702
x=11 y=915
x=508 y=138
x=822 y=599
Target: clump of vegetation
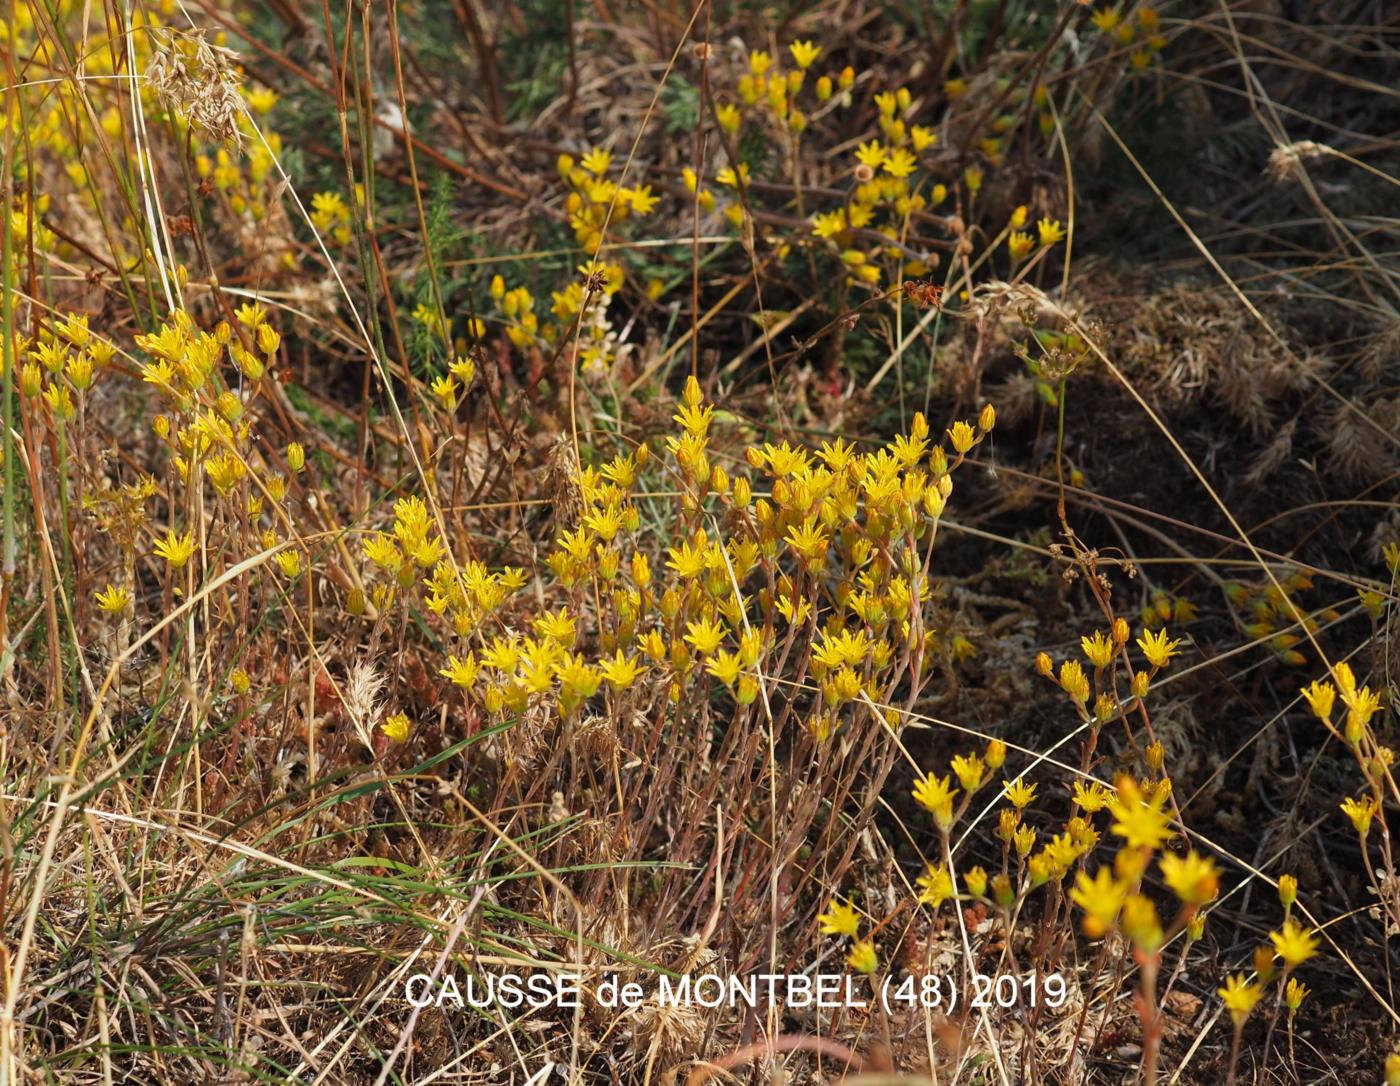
x=899 y=497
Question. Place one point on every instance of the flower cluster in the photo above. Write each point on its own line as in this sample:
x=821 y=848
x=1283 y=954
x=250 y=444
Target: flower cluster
x=843 y=920
x=1108 y=659
x=63 y=365
x=330 y=215
x=1141 y=34
x=870 y=231
x=766 y=102
x=1270 y=614
x=1274 y=964
x=767 y=90
x=208 y=381
x=581 y=312
x=827 y=548
x=597 y=203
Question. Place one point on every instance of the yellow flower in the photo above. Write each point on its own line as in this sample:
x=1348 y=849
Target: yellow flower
x=79 y=371
x=704 y=636
x=620 y=670
x=1073 y=680
x=844 y=647
x=803 y=53
x=462 y=673
x=596 y=161
x=1360 y=812
x=113 y=600
x=642 y=200
x=268 y=339
x=829 y=224
x=1018 y=793
x=1106 y=19
x=176 y=549
x=809 y=541
x=1295 y=993
x=935 y=887
x=725 y=666
x=900 y=163
x=289 y=562
x=1361 y=706
x=727 y=176
x=1346 y=680
x=688 y=561
x=863 y=958
x=1139 y=819
x=839 y=919
x=464 y=369
x=445 y=389
x=261 y=99
x=1019 y=243
x=578 y=681
x=1193 y=878
x=729 y=117
x=1050 y=231
x=794 y=611
x=1100 y=897
x=1156 y=647
x=557 y=626
x=1097 y=649
x=60 y=402
x=1294 y=943
x=871 y=154
x=1092 y=796
x=382 y=551
x=1240 y=997
x=1287 y=889
x=1320 y=696
x=396 y=727
x=934 y=793
x=969 y=771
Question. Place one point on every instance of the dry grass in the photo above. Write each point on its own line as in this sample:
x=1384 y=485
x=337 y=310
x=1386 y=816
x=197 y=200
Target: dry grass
x=381 y=596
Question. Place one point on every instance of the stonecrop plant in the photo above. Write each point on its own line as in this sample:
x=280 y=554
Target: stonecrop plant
x=815 y=571
x=657 y=490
